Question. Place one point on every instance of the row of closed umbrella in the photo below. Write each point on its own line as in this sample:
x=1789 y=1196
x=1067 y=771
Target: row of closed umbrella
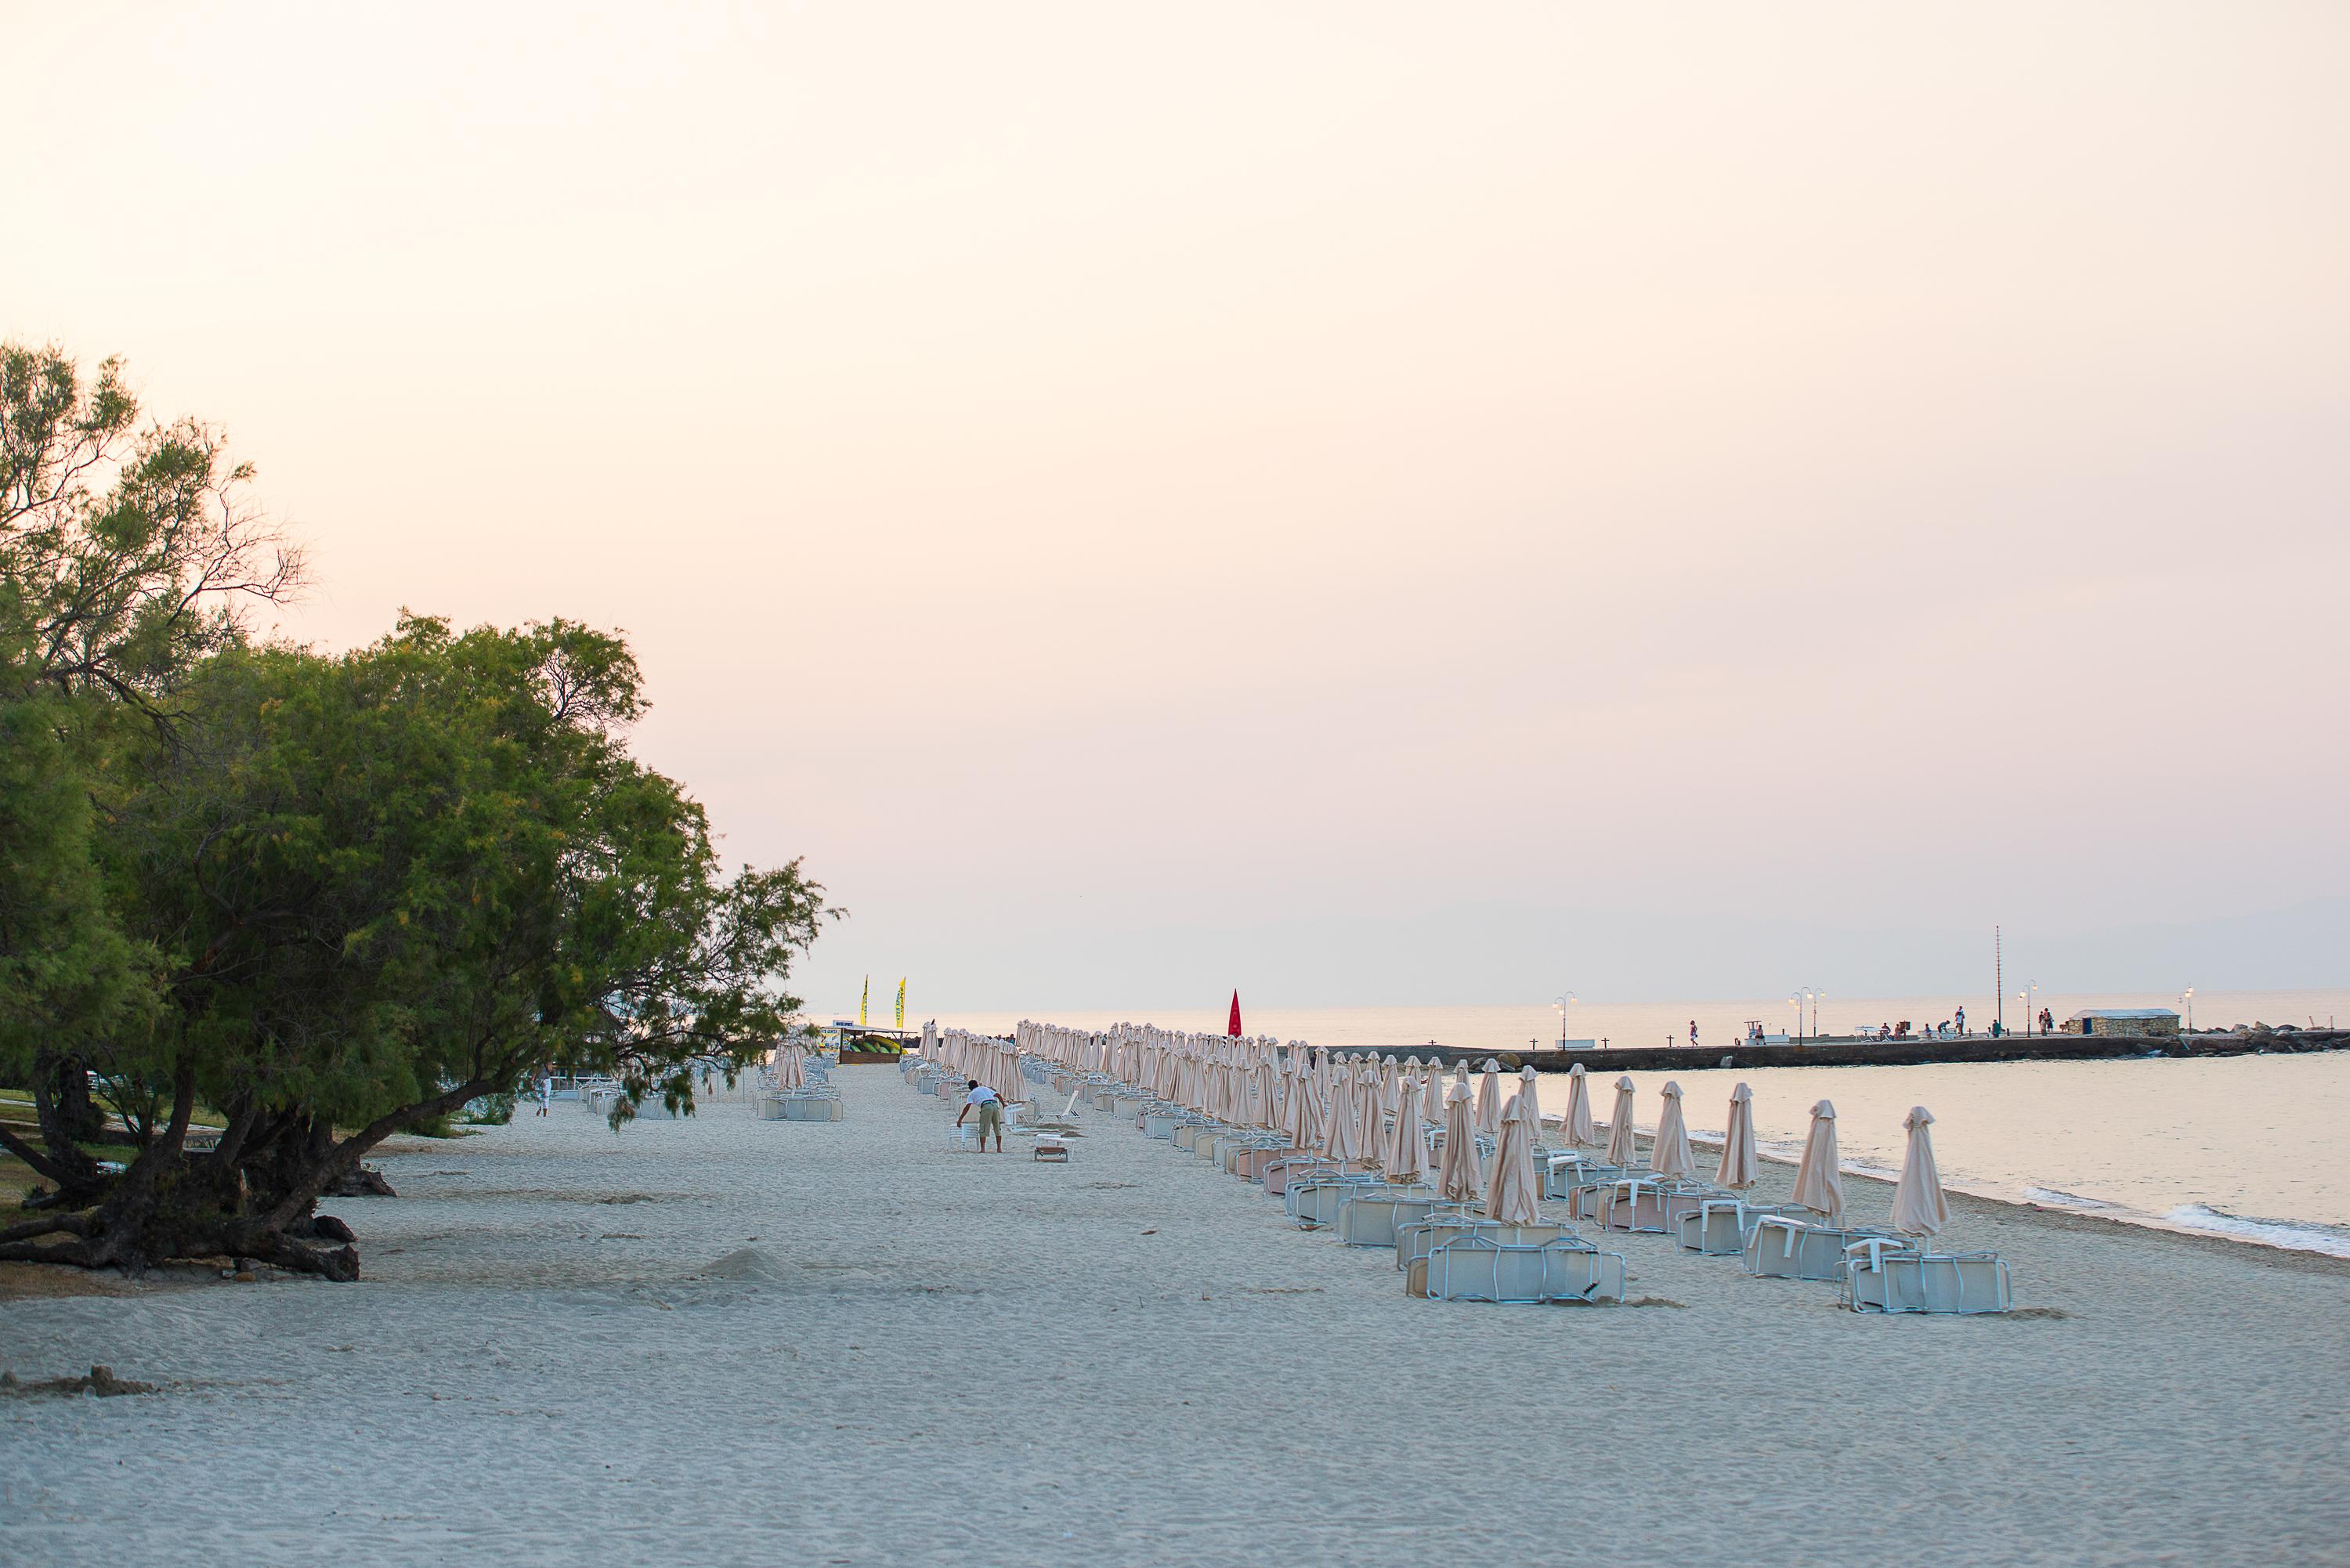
x=1362 y=1109
x=1920 y=1207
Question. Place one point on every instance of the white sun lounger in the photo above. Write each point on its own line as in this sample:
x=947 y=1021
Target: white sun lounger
x=1637 y=1203
x=1899 y=1278
x=1476 y=1268
x=1368 y=1217
x=1717 y=1227
x=1315 y=1201
x=1416 y=1239
x=1789 y=1246
x=1563 y=1172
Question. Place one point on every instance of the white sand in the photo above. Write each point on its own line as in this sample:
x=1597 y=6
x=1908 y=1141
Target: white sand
x=925 y=1356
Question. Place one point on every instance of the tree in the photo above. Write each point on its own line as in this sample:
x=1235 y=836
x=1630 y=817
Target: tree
x=126 y=556
x=385 y=884
x=328 y=897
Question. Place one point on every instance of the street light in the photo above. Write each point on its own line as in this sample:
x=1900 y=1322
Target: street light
x=1561 y=1004
x=2031 y=1006
x=2186 y=1000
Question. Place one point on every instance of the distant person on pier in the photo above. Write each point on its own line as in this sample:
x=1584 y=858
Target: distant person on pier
x=1692 y=1031
x=1962 y=1016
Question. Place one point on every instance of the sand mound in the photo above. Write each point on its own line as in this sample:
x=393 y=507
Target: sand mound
x=755 y=1264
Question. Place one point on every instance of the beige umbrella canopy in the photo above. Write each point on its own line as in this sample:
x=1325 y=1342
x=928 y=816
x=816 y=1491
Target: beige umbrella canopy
x=1406 y=1155
x=1341 y=1127
x=1577 y=1127
x=1918 y=1207
x=1299 y=1117
x=1621 y=1151
x=1371 y=1114
x=792 y=1075
x=1489 y=1099
x=1819 y=1176
x=1533 y=1101
x=1512 y=1194
x=1738 y=1163
x=1457 y=1177
x=1670 y=1155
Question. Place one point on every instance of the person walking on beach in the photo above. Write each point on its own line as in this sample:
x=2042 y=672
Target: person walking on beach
x=990 y=1107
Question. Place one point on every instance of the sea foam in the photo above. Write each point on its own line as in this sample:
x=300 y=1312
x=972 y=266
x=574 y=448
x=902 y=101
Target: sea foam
x=2294 y=1235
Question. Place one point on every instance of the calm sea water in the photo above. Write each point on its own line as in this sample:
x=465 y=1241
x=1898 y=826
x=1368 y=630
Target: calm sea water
x=2252 y=1146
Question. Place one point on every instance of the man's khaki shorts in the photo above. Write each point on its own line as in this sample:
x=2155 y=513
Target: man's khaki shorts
x=990 y=1119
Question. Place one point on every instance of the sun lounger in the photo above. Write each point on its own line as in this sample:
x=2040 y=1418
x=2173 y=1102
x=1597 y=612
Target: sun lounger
x=1633 y=1203
x=1565 y=1171
x=1314 y=1203
x=1717 y=1227
x=1250 y=1164
x=1789 y=1246
x=1891 y=1276
x=1416 y=1239
x=1279 y=1173
x=1476 y=1268
x=1368 y=1217
x=1051 y=1150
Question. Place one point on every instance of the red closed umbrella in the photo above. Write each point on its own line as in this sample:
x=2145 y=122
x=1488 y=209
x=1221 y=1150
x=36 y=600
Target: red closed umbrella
x=1234 y=1028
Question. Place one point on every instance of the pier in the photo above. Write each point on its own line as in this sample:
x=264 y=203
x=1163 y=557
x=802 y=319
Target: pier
x=1849 y=1052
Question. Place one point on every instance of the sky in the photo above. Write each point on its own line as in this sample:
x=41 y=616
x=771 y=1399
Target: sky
x=1363 y=504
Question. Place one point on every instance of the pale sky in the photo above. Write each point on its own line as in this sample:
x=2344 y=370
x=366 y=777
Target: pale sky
x=1366 y=503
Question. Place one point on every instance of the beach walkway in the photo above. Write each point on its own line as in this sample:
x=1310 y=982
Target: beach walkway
x=724 y=1341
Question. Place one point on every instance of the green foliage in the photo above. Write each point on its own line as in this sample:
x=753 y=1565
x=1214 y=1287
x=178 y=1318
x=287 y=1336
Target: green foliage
x=490 y=1111
x=431 y=864
x=333 y=896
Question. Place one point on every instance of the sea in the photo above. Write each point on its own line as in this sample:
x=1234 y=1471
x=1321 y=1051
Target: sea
x=2256 y=1147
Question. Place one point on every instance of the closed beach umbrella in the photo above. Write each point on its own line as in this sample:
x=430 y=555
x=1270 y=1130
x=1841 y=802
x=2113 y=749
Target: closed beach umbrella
x=1370 y=1115
x=1533 y=1102
x=1406 y=1154
x=1579 y=1128
x=1301 y=1115
x=1670 y=1155
x=1340 y=1129
x=1819 y=1179
x=1457 y=1176
x=1620 y=1150
x=1737 y=1171
x=1512 y=1195
x=1489 y=1099
x=1918 y=1207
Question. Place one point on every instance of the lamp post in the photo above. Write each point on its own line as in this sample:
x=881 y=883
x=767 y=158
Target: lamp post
x=2186 y=1000
x=1561 y=1004
x=1796 y=1002
x=1816 y=994
x=2031 y=1006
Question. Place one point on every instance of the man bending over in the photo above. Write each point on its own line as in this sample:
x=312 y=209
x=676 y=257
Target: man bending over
x=990 y=1107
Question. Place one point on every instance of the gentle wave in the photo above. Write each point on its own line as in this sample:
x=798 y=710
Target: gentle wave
x=2293 y=1235
x=2064 y=1199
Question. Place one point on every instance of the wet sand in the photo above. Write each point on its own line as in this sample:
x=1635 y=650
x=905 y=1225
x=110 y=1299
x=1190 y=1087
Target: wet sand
x=729 y=1341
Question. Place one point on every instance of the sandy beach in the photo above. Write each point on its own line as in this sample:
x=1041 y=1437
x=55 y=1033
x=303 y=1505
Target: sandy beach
x=724 y=1340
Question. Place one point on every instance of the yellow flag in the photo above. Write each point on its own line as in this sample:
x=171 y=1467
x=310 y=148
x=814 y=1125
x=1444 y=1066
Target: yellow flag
x=863 y=1000
x=901 y=1002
